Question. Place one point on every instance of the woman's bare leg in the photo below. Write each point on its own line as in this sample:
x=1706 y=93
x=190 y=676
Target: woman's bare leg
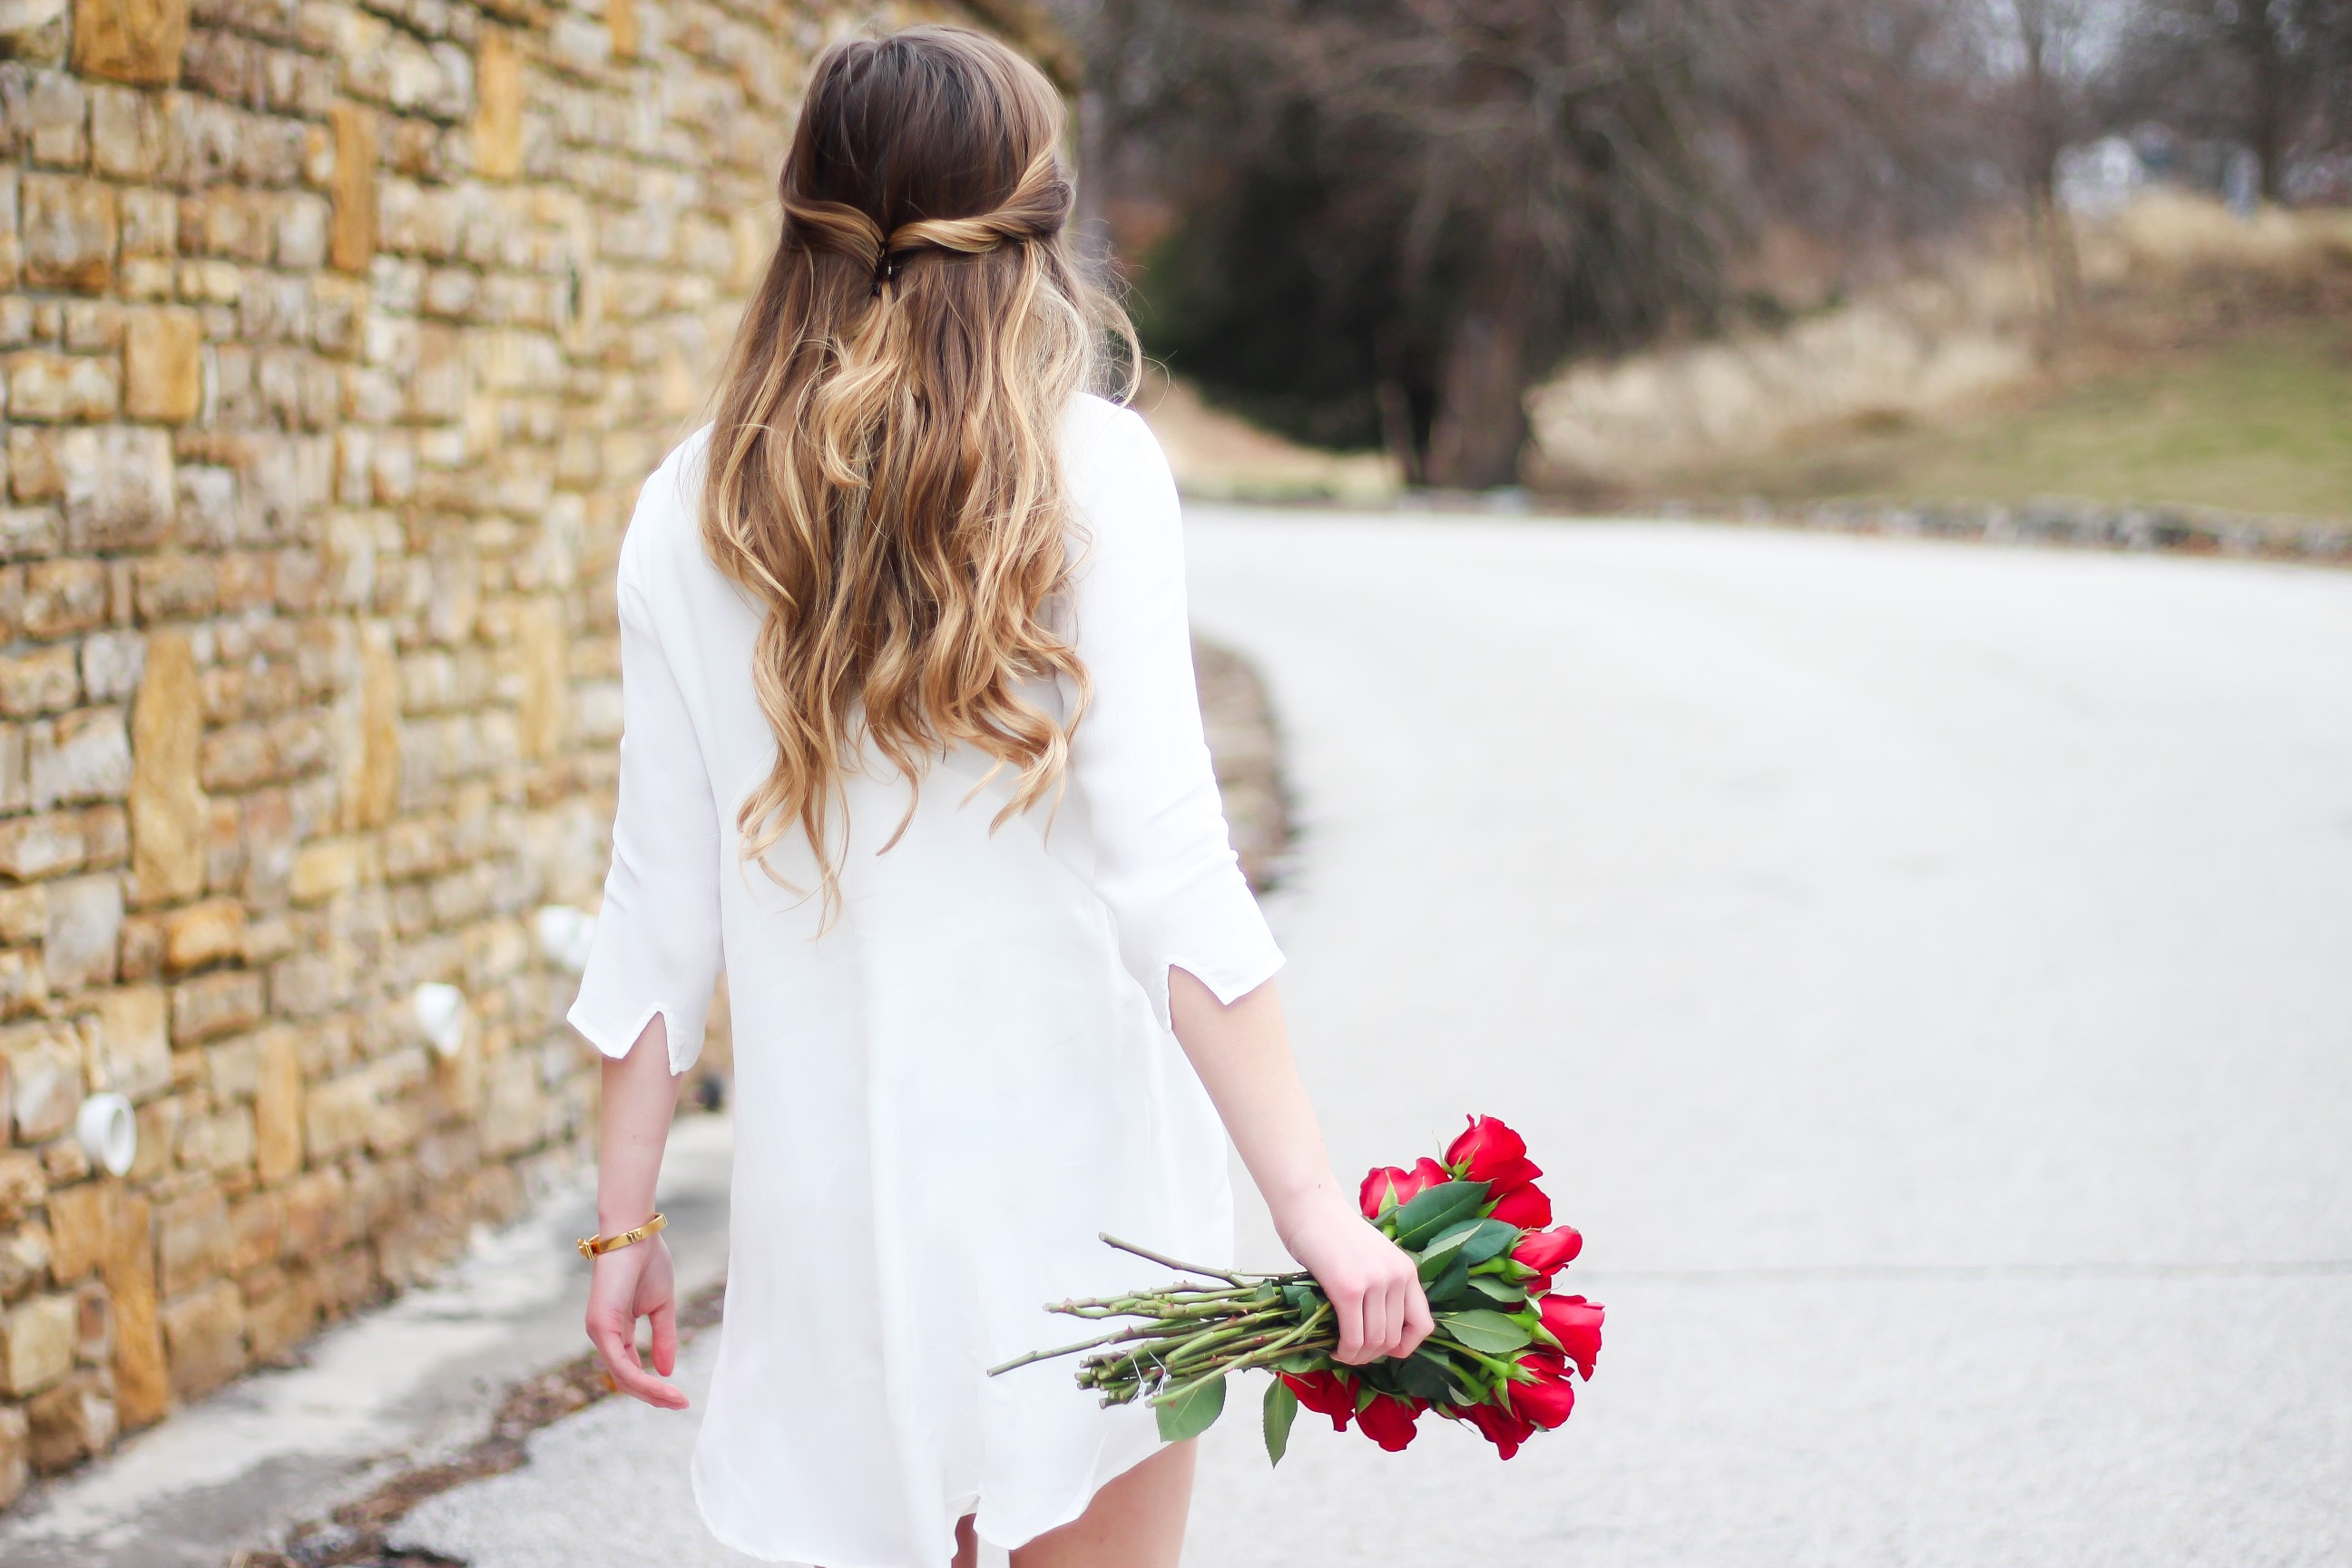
x=967 y=1545
x=1136 y=1521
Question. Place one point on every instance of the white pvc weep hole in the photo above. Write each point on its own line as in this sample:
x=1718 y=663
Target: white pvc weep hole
x=107 y=1131
x=565 y=934
x=441 y=1015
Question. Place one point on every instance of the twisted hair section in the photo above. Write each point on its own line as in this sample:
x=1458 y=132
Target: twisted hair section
x=885 y=470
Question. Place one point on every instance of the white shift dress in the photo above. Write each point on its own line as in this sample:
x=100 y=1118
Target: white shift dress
x=943 y=1098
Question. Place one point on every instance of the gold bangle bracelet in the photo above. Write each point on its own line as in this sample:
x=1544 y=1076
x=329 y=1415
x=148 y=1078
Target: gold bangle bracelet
x=597 y=1245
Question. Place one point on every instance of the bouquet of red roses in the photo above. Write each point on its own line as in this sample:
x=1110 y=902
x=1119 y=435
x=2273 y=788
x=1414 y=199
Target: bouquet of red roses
x=1498 y=1359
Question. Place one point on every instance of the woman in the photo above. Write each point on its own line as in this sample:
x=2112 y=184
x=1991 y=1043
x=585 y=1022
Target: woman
x=912 y=748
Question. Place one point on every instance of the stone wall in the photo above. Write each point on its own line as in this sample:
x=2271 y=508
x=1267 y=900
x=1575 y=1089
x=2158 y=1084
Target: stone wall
x=336 y=339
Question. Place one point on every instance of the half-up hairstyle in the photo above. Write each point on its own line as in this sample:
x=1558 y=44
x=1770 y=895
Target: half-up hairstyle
x=885 y=471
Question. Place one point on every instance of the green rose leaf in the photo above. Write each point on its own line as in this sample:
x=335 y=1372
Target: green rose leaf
x=1191 y=1413
x=1451 y=1288
x=1491 y=1239
x=1281 y=1410
x=1498 y=1289
x=1485 y=1330
x=1421 y=1222
x=1422 y=1376
x=1441 y=1252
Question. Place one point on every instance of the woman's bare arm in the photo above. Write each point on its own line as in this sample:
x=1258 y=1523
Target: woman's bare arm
x=1242 y=1052
x=636 y=1281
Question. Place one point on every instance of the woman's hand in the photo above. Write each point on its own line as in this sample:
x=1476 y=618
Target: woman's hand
x=1372 y=1282
x=636 y=1282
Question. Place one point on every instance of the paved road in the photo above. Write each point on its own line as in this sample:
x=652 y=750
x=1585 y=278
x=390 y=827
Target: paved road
x=1927 y=972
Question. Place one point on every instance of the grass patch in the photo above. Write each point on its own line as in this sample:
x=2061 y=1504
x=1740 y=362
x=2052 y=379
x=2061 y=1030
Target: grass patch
x=2259 y=422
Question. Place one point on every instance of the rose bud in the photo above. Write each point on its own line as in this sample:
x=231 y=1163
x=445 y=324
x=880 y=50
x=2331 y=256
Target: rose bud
x=1388 y=1421
x=1482 y=1149
x=1546 y=1252
x=1526 y=1207
x=1501 y=1427
x=1389 y=1185
x=1575 y=1323
x=1550 y=1398
x=1326 y=1394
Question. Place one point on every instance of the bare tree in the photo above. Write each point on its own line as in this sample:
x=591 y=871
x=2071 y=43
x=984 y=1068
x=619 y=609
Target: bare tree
x=1394 y=216
x=2275 y=76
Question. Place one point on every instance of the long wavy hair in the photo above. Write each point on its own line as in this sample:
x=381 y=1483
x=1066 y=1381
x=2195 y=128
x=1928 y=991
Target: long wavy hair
x=885 y=471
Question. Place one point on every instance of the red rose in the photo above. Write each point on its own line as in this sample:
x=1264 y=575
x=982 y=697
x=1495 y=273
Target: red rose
x=1485 y=1149
x=1501 y=1427
x=1508 y=1176
x=1326 y=1394
x=1546 y=1401
x=1526 y=1207
x=1388 y=1185
x=1547 y=1251
x=1388 y=1421
x=1575 y=1322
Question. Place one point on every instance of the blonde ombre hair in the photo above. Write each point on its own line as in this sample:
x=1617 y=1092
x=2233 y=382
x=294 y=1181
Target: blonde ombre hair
x=885 y=470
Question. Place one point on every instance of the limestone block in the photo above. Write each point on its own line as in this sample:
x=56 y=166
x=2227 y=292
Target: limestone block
x=111 y=664
x=22 y=1183
x=78 y=758
x=126 y=140
x=192 y=1240
x=32 y=847
x=497 y=108
x=66 y=228
x=142 y=1391
x=71 y=1422
x=211 y=931
x=621 y=22
x=319 y=1214
x=162 y=367
x=170 y=818
x=127 y=1045
x=325 y=869
x=257 y=1228
x=45 y=1079
x=543 y=715
x=131 y=40
x=281 y=1314
x=118 y=487
x=150 y=221
x=105 y=835
x=372 y=762
x=15 y=1439
x=221 y=1143
x=80 y=1218
x=278 y=1107
x=36 y=1344
x=44 y=680
x=56 y=387
x=24 y=987
x=24 y=914
x=214 y=1005
x=85 y=922
x=337 y=1114
x=62 y=597
x=351 y=232
x=205 y=1332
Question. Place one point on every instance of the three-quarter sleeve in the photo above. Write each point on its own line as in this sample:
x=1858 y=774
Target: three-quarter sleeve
x=657 y=946
x=1163 y=861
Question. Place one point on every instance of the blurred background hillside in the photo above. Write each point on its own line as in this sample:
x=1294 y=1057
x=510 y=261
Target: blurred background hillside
x=1626 y=251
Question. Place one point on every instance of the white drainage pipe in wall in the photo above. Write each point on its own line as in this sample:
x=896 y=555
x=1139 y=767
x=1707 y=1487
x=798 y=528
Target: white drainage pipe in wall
x=107 y=1131
x=565 y=934
x=441 y=1017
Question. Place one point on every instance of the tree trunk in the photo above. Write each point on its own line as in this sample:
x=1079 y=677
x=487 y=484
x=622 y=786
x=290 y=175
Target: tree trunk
x=1482 y=417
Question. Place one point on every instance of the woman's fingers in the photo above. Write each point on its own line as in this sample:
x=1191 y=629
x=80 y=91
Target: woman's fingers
x=618 y=1345
x=1349 y=1306
x=664 y=1319
x=1417 y=1320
